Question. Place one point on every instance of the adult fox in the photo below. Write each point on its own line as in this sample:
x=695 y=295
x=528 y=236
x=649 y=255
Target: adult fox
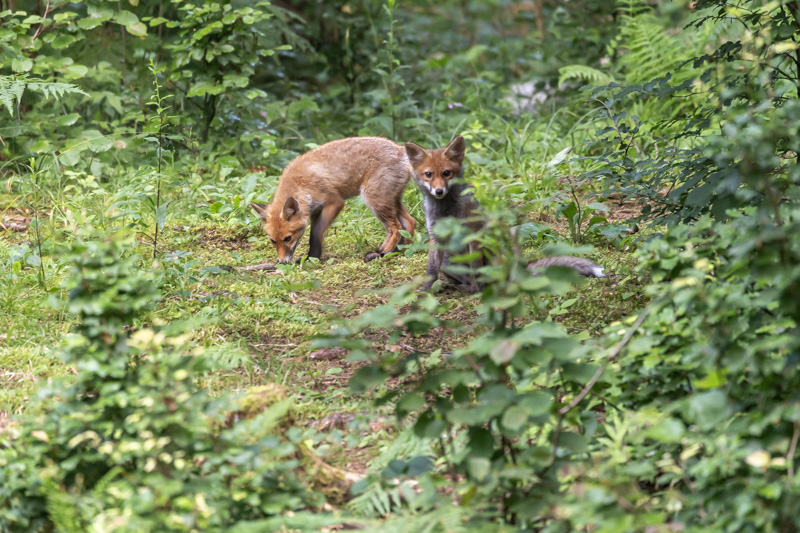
x=439 y=174
x=314 y=186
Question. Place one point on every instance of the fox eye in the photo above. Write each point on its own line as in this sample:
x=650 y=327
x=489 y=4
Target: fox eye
x=446 y=173
x=287 y=238
x=428 y=174
x=272 y=240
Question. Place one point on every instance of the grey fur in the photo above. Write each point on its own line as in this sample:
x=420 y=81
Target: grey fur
x=585 y=267
x=454 y=204
x=462 y=206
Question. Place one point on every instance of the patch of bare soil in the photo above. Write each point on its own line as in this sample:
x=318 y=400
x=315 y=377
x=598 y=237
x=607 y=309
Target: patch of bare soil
x=214 y=239
x=622 y=210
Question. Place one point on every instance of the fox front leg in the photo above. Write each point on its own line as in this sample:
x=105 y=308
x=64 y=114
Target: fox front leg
x=319 y=225
x=434 y=263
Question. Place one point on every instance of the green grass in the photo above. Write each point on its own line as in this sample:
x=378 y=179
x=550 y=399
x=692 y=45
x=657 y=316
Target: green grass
x=258 y=325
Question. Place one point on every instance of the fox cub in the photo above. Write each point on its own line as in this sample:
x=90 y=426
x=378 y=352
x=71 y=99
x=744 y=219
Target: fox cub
x=314 y=186
x=439 y=175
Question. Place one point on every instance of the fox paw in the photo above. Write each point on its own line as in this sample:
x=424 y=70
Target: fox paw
x=372 y=255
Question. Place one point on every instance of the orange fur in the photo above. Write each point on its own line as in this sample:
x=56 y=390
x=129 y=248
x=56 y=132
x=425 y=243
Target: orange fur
x=315 y=185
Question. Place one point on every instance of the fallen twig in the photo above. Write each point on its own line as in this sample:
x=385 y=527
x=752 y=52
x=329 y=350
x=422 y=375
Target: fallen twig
x=262 y=266
x=12 y=226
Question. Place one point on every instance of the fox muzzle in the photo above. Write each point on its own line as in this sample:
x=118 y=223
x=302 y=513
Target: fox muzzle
x=289 y=255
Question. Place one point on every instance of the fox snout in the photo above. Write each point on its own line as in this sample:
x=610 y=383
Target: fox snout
x=286 y=259
x=439 y=191
x=286 y=251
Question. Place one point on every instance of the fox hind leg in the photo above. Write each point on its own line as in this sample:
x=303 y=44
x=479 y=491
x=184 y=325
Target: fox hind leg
x=392 y=224
x=389 y=214
x=407 y=222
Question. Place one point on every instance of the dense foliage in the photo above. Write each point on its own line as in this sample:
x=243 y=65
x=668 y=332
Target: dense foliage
x=662 y=399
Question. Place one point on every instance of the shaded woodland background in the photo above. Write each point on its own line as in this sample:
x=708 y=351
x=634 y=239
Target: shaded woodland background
x=151 y=384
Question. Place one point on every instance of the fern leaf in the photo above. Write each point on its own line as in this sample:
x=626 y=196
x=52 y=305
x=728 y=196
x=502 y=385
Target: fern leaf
x=583 y=73
x=11 y=91
x=13 y=87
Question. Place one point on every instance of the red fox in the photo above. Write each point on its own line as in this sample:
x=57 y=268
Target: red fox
x=439 y=174
x=314 y=186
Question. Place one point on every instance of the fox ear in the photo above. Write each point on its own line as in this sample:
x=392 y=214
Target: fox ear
x=290 y=208
x=455 y=150
x=416 y=153
x=261 y=209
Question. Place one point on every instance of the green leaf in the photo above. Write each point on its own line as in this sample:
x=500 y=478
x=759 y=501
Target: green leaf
x=481 y=442
x=62 y=41
x=479 y=468
x=96 y=18
x=137 y=28
x=21 y=65
x=96 y=141
x=68 y=120
x=41 y=146
x=708 y=409
x=428 y=425
x=573 y=441
x=70 y=157
x=410 y=402
x=125 y=18
x=560 y=157
x=74 y=72
x=161 y=215
x=669 y=430
x=699 y=196
x=235 y=80
x=418 y=466
x=204 y=88
x=503 y=351
x=712 y=380
x=515 y=418
x=537 y=403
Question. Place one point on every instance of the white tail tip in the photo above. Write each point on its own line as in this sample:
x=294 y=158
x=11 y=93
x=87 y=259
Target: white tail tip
x=598 y=272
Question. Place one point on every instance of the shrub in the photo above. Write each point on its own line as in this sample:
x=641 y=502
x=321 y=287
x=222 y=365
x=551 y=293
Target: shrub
x=131 y=443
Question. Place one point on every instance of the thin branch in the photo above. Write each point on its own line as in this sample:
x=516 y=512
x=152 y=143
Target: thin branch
x=44 y=20
x=792 y=449
x=614 y=353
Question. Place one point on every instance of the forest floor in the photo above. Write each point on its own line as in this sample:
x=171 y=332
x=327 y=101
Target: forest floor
x=270 y=317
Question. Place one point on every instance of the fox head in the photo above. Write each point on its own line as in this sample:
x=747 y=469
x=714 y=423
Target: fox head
x=284 y=225
x=434 y=169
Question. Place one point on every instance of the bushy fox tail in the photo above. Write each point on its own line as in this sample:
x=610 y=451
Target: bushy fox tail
x=585 y=267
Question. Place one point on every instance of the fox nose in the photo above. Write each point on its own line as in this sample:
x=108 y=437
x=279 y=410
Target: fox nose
x=438 y=192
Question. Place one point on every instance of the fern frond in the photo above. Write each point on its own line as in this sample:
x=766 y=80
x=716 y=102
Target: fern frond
x=406 y=444
x=101 y=486
x=13 y=87
x=444 y=518
x=583 y=73
x=11 y=91
x=62 y=508
x=229 y=357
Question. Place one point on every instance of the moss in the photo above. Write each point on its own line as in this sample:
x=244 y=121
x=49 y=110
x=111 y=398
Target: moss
x=259 y=399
